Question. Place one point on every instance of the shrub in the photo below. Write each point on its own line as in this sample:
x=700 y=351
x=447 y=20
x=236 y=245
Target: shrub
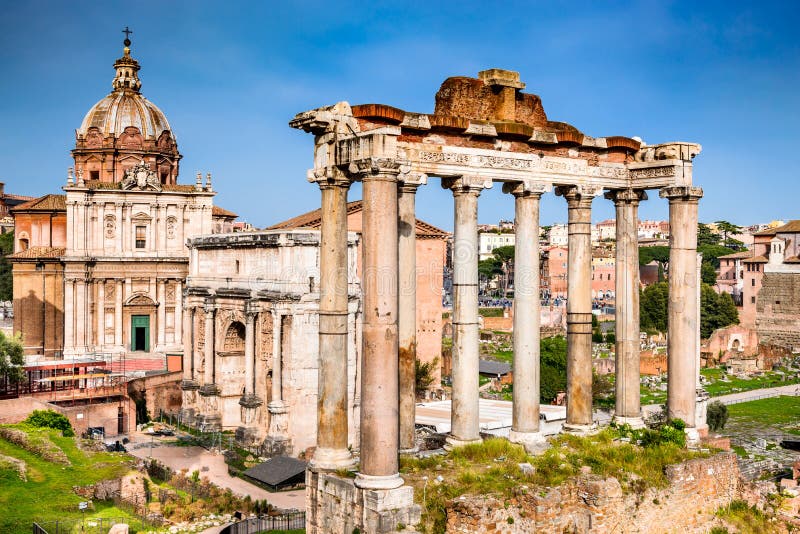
x=717 y=416
x=50 y=419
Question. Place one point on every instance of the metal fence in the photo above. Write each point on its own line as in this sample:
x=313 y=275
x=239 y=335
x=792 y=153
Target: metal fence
x=267 y=523
x=771 y=394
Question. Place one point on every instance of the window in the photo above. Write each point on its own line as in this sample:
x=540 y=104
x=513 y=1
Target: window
x=94 y=175
x=753 y=282
x=753 y=299
x=24 y=244
x=141 y=236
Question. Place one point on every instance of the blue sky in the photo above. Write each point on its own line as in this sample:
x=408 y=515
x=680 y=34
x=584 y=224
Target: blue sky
x=229 y=77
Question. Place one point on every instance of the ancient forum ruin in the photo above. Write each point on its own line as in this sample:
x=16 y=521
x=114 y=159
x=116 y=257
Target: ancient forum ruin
x=483 y=130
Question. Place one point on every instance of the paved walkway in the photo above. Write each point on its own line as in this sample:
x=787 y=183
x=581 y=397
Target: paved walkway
x=213 y=466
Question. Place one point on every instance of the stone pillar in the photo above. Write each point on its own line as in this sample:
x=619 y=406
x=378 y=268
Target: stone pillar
x=525 y=421
x=701 y=403
x=118 y=339
x=249 y=353
x=100 y=309
x=209 y=387
x=628 y=407
x=249 y=401
x=464 y=420
x=69 y=314
x=682 y=316
x=82 y=315
x=332 y=452
x=119 y=228
x=161 y=295
x=380 y=430
x=188 y=349
x=579 y=307
x=177 y=323
x=407 y=303
x=277 y=435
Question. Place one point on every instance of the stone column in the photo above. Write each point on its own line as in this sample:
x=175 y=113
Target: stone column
x=579 y=307
x=100 y=309
x=249 y=351
x=628 y=407
x=407 y=303
x=119 y=228
x=118 y=296
x=464 y=417
x=69 y=315
x=525 y=421
x=209 y=387
x=332 y=452
x=682 y=316
x=161 y=295
x=277 y=363
x=177 y=323
x=380 y=424
x=81 y=314
x=188 y=349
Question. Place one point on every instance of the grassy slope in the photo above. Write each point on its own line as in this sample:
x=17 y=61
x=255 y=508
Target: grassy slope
x=48 y=495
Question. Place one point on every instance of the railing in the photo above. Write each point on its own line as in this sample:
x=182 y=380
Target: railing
x=85 y=526
x=268 y=523
x=771 y=394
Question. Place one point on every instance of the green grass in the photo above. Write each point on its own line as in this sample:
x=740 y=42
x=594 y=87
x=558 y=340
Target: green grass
x=490 y=312
x=747 y=519
x=491 y=468
x=735 y=385
x=780 y=412
x=48 y=495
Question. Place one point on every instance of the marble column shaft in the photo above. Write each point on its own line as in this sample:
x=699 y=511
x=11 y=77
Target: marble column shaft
x=380 y=424
x=277 y=361
x=332 y=436
x=208 y=371
x=579 y=308
x=407 y=314
x=249 y=354
x=628 y=402
x=682 y=313
x=525 y=420
x=464 y=414
x=188 y=348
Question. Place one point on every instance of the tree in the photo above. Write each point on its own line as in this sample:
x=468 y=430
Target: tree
x=6 y=283
x=706 y=236
x=708 y=273
x=653 y=307
x=50 y=419
x=716 y=415
x=553 y=361
x=423 y=375
x=11 y=359
x=727 y=228
x=504 y=256
x=717 y=310
x=659 y=254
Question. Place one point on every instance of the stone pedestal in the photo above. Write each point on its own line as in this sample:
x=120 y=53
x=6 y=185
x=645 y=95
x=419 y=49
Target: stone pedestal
x=335 y=505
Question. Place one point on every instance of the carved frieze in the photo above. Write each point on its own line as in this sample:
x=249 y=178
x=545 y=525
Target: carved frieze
x=140 y=177
x=110 y=225
x=652 y=172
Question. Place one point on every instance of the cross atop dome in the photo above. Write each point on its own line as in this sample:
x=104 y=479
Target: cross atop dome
x=127 y=68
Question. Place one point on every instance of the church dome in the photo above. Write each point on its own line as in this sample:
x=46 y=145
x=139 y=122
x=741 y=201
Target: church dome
x=125 y=106
x=125 y=129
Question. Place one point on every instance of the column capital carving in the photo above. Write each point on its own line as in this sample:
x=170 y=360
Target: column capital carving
x=410 y=181
x=375 y=168
x=580 y=195
x=210 y=306
x=251 y=309
x=327 y=177
x=626 y=196
x=682 y=192
x=467 y=184
x=527 y=188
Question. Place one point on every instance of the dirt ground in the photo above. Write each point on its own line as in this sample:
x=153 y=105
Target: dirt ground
x=212 y=466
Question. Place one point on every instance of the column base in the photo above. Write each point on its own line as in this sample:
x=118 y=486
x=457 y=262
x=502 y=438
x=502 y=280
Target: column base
x=580 y=430
x=635 y=423
x=209 y=390
x=209 y=422
x=451 y=442
x=331 y=459
x=692 y=438
x=246 y=435
x=385 y=482
x=189 y=385
x=534 y=442
x=250 y=401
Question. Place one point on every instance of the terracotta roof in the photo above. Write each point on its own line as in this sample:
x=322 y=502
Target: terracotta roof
x=792 y=259
x=217 y=211
x=737 y=255
x=11 y=196
x=38 y=252
x=788 y=228
x=313 y=219
x=45 y=203
x=756 y=259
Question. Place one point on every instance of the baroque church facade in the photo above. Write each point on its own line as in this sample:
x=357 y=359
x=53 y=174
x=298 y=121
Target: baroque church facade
x=118 y=264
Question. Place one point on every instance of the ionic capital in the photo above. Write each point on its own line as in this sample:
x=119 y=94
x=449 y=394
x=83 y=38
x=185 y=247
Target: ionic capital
x=410 y=181
x=210 y=306
x=686 y=193
x=375 y=168
x=467 y=184
x=526 y=188
x=578 y=196
x=626 y=196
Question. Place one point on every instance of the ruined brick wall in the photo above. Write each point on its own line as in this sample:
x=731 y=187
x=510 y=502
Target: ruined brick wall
x=652 y=364
x=778 y=316
x=161 y=392
x=592 y=504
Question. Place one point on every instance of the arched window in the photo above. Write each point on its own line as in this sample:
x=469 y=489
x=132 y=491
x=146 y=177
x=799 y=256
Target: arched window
x=234 y=338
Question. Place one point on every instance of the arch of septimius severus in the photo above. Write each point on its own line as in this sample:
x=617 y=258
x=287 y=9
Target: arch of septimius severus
x=483 y=131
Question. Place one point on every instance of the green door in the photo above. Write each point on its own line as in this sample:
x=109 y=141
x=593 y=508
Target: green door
x=140 y=332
